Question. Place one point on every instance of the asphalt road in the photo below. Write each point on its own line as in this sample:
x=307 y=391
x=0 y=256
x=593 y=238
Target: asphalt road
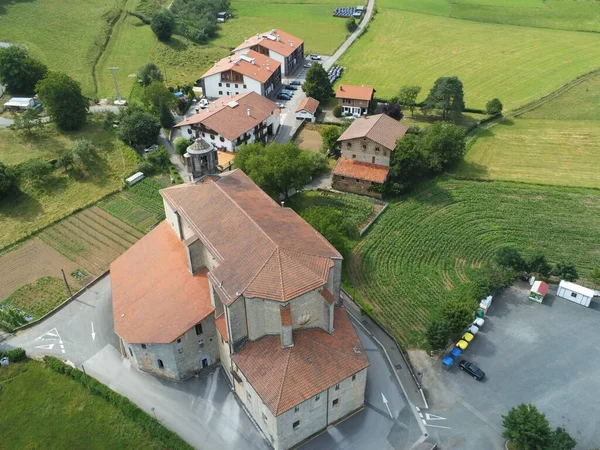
x=544 y=354
x=206 y=413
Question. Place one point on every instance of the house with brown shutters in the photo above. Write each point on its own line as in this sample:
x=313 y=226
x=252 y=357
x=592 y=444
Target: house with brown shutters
x=232 y=277
x=354 y=100
x=283 y=47
x=366 y=150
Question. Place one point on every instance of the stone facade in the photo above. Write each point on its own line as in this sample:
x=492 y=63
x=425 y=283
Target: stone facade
x=354 y=185
x=365 y=150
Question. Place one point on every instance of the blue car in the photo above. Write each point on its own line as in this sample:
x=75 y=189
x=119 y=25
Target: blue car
x=296 y=83
x=287 y=92
x=283 y=96
x=290 y=87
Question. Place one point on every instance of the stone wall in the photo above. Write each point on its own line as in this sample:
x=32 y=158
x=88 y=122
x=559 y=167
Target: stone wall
x=310 y=311
x=355 y=186
x=310 y=417
x=236 y=321
x=350 y=396
x=364 y=150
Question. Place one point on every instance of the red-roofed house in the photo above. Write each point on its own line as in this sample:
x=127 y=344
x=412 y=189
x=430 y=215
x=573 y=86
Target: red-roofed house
x=278 y=45
x=354 y=100
x=366 y=150
x=307 y=109
x=239 y=74
x=232 y=276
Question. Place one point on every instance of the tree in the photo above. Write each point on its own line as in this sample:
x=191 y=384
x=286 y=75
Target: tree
x=62 y=98
x=278 y=168
x=332 y=224
x=444 y=144
x=566 y=271
x=447 y=96
x=510 y=257
x=561 y=440
x=85 y=155
x=317 y=84
x=493 y=107
x=337 y=111
x=159 y=160
x=138 y=128
x=391 y=109
x=65 y=160
x=595 y=276
x=29 y=121
x=166 y=116
x=157 y=94
x=330 y=135
x=109 y=121
x=409 y=163
x=438 y=334
x=181 y=145
x=527 y=428
x=148 y=73
x=20 y=72
x=35 y=171
x=163 y=24
x=457 y=314
x=8 y=180
x=407 y=97
x=537 y=264
x=351 y=25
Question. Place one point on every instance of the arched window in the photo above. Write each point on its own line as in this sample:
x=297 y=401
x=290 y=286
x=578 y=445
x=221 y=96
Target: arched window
x=160 y=364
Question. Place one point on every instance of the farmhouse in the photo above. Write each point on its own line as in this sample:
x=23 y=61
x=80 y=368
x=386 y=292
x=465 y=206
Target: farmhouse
x=366 y=150
x=307 y=109
x=229 y=123
x=237 y=74
x=232 y=276
x=277 y=45
x=354 y=100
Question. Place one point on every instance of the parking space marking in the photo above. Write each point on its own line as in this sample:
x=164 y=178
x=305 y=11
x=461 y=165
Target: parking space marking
x=46 y=346
x=51 y=335
x=433 y=417
x=437 y=426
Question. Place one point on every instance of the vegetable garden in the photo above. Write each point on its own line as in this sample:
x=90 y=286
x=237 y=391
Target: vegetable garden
x=434 y=240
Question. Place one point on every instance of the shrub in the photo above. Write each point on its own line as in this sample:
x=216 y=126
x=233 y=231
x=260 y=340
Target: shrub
x=8 y=180
x=163 y=24
x=109 y=121
x=181 y=144
x=330 y=135
x=538 y=265
x=510 y=257
x=438 y=334
x=493 y=107
x=148 y=73
x=35 y=171
x=351 y=25
x=14 y=355
x=337 y=111
x=566 y=271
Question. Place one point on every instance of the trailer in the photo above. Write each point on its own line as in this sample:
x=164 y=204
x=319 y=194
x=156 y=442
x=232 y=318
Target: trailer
x=575 y=293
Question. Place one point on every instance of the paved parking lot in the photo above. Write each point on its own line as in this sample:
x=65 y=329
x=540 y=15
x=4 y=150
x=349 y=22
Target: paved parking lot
x=546 y=354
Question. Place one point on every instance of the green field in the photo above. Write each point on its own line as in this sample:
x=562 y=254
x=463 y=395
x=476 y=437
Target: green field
x=43 y=409
x=516 y=64
x=140 y=206
x=35 y=208
x=423 y=246
x=38 y=298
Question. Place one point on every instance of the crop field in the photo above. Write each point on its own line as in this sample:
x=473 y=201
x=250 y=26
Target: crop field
x=44 y=409
x=140 y=206
x=91 y=238
x=39 y=297
x=429 y=243
x=35 y=208
x=515 y=64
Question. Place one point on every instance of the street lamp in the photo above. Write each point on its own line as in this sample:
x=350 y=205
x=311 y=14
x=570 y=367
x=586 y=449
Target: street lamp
x=153 y=412
x=119 y=101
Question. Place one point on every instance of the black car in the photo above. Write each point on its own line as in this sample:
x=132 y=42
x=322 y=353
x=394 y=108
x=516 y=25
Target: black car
x=472 y=370
x=290 y=87
x=283 y=96
x=296 y=83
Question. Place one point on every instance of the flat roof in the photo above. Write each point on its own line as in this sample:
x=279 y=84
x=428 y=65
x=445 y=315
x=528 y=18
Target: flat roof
x=577 y=288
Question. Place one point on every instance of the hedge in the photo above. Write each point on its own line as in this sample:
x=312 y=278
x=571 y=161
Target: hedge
x=148 y=423
x=14 y=355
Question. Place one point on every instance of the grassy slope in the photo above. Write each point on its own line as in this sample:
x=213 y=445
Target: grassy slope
x=39 y=297
x=65 y=35
x=556 y=143
x=36 y=208
x=43 y=409
x=431 y=241
x=515 y=64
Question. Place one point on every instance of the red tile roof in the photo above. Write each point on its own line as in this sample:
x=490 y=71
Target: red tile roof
x=361 y=170
x=152 y=305
x=286 y=377
x=286 y=45
x=262 y=69
x=229 y=116
x=222 y=327
x=309 y=104
x=379 y=128
x=262 y=249
x=354 y=92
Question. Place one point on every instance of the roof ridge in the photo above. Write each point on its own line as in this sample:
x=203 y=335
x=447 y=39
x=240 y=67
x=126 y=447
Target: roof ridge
x=287 y=365
x=278 y=250
x=287 y=250
x=260 y=270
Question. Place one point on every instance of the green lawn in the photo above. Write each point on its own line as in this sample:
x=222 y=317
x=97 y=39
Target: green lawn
x=66 y=35
x=516 y=64
x=42 y=409
x=39 y=297
x=35 y=208
x=429 y=243
x=563 y=153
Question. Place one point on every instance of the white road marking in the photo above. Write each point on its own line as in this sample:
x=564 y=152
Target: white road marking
x=438 y=426
x=46 y=346
x=433 y=417
x=93 y=334
x=52 y=334
x=420 y=415
x=385 y=401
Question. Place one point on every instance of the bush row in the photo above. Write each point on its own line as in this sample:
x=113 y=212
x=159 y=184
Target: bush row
x=148 y=423
x=14 y=355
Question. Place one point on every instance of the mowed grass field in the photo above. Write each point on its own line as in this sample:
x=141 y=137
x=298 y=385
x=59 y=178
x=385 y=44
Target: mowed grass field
x=516 y=64
x=65 y=35
x=426 y=245
x=44 y=409
x=556 y=143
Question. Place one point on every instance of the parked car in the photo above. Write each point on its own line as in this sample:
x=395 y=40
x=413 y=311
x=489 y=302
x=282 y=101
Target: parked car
x=296 y=83
x=314 y=57
x=283 y=96
x=307 y=65
x=151 y=149
x=287 y=92
x=290 y=87
x=472 y=369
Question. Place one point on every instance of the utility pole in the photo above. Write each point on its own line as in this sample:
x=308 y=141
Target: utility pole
x=114 y=72
x=66 y=283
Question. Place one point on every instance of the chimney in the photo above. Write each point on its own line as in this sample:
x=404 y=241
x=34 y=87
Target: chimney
x=341 y=87
x=197 y=110
x=278 y=38
x=268 y=68
x=286 y=326
x=248 y=112
x=229 y=58
x=253 y=61
x=283 y=204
